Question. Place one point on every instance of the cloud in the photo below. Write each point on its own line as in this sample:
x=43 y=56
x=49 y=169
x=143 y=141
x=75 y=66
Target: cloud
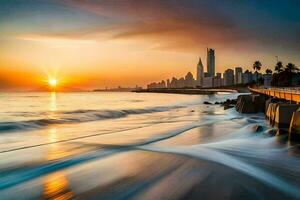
x=173 y=24
x=188 y=25
x=194 y=24
x=45 y=38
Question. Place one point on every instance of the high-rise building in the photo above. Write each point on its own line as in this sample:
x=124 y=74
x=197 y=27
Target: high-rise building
x=168 y=83
x=228 y=77
x=247 y=77
x=211 y=62
x=238 y=75
x=200 y=73
x=218 y=80
x=208 y=82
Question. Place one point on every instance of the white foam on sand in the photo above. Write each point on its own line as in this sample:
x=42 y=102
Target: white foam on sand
x=208 y=154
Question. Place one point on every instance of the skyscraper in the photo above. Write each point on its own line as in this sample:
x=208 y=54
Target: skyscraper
x=238 y=75
x=211 y=62
x=200 y=73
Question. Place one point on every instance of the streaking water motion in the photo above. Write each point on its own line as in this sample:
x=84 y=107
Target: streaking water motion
x=139 y=146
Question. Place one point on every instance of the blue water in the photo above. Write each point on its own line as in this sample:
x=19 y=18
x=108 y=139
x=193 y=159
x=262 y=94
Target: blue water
x=139 y=146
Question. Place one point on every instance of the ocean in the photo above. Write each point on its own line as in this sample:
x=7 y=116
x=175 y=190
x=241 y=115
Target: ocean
x=140 y=146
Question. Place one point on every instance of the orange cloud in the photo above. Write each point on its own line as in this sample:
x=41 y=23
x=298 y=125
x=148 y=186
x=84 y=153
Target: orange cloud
x=56 y=41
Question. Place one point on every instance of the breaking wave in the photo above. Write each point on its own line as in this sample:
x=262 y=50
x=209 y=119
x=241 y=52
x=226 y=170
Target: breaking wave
x=78 y=116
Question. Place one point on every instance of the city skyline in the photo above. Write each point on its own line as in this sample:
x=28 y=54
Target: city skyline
x=94 y=44
x=211 y=79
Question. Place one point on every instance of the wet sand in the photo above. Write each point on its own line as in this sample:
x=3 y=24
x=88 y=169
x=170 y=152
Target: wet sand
x=191 y=151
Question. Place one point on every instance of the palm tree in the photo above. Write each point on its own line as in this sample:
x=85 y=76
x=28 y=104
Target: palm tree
x=257 y=66
x=268 y=71
x=291 y=69
x=279 y=67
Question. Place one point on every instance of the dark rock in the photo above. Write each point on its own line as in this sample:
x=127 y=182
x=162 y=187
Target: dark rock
x=259 y=102
x=217 y=103
x=233 y=101
x=245 y=104
x=257 y=128
x=272 y=132
x=229 y=103
x=192 y=110
x=227 y=106
x=207 y=103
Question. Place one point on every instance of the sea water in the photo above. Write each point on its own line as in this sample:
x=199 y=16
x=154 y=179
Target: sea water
x=140 y=146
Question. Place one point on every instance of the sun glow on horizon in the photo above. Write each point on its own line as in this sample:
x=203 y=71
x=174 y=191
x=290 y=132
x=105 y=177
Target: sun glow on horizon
x=52 y=82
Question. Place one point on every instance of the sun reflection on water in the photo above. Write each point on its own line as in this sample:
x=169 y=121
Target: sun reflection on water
x=52 y=135
x=53 y=106
x=55 y=151
x=56 y=187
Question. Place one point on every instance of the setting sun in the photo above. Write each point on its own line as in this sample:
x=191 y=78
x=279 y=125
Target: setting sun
x=52 y=82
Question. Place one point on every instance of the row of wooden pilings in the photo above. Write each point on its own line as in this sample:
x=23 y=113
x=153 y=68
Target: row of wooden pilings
x=281 y=113
x=285 y=116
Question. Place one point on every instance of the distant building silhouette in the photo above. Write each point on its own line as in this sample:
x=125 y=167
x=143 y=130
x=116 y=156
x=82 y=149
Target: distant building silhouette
x=211 y=62
x=181 y=83
x=208 y=80
x=213 y=79
x=200 y=73
x=267 y=80
x=256 y=76
x=247 y=77
x=228 y=77
x=238 y=75
x=168 y=83
x=218 y=80
x=189 y=80
x=174 y=83
x=161 y=84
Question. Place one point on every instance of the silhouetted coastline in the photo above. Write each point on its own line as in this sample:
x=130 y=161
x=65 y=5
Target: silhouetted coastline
x=195 y=91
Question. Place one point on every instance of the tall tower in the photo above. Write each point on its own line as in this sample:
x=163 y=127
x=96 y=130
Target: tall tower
x=211 y=62
x=200 y=73
x=238 y=75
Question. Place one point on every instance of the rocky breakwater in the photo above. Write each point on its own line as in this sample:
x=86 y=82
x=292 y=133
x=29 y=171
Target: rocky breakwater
x=294 y=129
x=250 y=104
x=282 y=114
x=229 y=103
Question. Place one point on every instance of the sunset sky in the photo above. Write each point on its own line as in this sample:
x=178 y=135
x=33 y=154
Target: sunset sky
x=89 y=44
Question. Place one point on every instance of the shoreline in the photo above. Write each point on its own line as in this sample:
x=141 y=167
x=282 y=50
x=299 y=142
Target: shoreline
x=193 y=91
